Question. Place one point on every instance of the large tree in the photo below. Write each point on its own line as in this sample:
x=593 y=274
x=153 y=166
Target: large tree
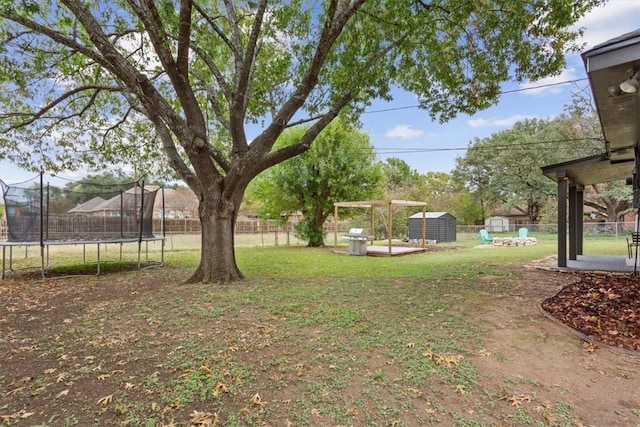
x=443 y=193
x=504 y=168
x=82 y=80
x=339 y=166
x=399 y=178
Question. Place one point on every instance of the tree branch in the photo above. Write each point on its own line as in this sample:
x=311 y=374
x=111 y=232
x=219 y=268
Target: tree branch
x=42 y=111
x=222 y=82
x=211 y=21
x=332 y=28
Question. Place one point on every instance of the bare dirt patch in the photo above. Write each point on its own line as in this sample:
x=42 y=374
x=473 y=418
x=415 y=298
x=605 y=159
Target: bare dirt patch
x=537 y=360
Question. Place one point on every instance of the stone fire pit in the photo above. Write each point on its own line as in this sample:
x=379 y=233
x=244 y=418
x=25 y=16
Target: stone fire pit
x=514 y=241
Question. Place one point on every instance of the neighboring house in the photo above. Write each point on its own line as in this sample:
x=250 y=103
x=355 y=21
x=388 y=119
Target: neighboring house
x=496 y=224
x=90 y=207
x=516 y=215
x=180 y=202
x=130 y=200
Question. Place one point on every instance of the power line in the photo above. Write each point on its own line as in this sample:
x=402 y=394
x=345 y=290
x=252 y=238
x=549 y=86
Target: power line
x=393 y=150
x=505 y=92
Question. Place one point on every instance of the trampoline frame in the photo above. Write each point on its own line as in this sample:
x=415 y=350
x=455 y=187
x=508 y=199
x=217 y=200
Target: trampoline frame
x=45 y=244
x=44 y=251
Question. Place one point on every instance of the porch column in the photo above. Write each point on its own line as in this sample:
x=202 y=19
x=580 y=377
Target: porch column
x=573 y=250
x=579 y=219
x=562 y=219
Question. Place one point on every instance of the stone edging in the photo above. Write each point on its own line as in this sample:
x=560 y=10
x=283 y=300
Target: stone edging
x=587 y=338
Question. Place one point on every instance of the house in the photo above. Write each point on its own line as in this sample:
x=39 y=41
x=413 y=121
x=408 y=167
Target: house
x=129 y=201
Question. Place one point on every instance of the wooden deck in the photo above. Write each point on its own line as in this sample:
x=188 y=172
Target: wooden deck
x=383 y=251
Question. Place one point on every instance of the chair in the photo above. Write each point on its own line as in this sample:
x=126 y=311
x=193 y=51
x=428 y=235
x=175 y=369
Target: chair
x=633 y=241
x=523 y=232
x=484 y=237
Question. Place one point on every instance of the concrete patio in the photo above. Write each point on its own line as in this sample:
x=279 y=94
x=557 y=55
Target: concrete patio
x=604 y=263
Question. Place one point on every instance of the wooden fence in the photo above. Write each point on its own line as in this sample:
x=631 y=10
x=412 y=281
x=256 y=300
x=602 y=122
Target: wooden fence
x=100 y=226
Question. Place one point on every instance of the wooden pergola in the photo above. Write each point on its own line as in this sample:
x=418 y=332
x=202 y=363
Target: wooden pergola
x=373 y=204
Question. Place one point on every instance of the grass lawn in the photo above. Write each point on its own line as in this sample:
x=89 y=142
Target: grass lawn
x=309 y=338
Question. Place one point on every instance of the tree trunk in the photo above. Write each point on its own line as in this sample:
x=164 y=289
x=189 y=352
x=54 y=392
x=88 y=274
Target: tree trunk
x=217 y=258
x=316 y=239
x=533 y=211
x=315 y=233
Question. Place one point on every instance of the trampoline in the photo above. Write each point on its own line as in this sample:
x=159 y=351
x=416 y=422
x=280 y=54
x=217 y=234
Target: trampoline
x=41 y=216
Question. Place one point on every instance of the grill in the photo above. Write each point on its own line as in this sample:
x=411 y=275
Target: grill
x=357 y=241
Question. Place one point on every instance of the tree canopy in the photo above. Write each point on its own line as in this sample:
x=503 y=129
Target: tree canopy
x=339 y=166
x=504 y=169
x=210 y=86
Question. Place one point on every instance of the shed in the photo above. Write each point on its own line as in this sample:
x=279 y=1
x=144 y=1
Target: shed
x=496 y=224
x=439 y=226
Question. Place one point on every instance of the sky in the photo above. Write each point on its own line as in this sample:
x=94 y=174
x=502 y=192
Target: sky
x=391 y=131
x=397 y=128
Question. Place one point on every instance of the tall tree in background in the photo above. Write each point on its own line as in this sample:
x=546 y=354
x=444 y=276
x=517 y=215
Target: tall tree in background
x=611 y=199
x=504 y=169
x=444 y=193
x=511 y=162
x=339 y=166
x=93 y=185
x=399 y=183
x=399 y=178
x=212 y=84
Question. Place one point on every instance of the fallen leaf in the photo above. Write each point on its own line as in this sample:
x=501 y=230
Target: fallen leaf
x=219 y=389
x=484 y=353
x=105 y=401
x=62 y=393
x=414 y=391
x=551 y=419
x=518 y=399
x=201 y=418
x=257 y=400
x=589 y=347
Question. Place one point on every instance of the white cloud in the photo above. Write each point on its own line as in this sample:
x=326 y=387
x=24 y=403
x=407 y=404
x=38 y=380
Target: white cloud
x=549 y=85
x=609 y=20
x=505 y=122
x=404 y=132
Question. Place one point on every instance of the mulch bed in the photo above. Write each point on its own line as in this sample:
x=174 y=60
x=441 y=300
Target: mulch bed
x=604 y=307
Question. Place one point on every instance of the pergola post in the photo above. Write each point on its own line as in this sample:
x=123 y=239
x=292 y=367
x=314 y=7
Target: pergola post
x=335 y=226
x=390 y=227
x=424 y=227
x=372 y=225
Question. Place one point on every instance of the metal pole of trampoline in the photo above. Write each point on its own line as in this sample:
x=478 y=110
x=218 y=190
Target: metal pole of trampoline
x=141 y=220
x=41 y=223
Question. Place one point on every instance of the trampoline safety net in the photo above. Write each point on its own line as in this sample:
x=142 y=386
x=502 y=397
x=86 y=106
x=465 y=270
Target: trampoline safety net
x=36 y=212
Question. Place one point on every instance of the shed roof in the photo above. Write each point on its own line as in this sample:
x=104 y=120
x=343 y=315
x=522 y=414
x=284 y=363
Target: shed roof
x=431 y=215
